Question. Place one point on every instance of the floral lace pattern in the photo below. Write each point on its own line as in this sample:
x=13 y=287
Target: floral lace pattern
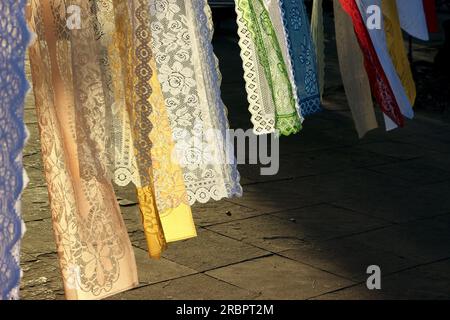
x=14 y=37
x=303 y=56
x=95 y=253
x=212 y=78
x=258 y=22
x=192 y=112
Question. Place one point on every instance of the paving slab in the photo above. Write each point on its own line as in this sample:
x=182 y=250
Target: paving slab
x=220 y=212
x=41 y=281
x=348 y=259
x=39 y=238
x=195 y=287
x=397 y=206
x=416 y=171
x=211 y=250
x=267 y=232
x=328 y=222
x=424 y=240
x=421 y=283
x=403 y=151
x=272 y=277
x=154 y=271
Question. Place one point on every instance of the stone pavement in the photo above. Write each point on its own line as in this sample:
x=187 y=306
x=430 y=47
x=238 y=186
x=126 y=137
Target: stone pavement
x=338 y=205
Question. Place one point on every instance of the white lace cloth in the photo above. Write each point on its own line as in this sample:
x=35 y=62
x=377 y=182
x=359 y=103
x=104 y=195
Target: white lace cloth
x=190 y=84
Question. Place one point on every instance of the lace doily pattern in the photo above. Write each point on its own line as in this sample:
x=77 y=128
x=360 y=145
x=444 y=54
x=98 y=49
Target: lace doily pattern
x=258 y=22
x=14 y=37
x=213 y=78
x=95 y=253
x=302 y=53
x=261 y=106
x=184 y=89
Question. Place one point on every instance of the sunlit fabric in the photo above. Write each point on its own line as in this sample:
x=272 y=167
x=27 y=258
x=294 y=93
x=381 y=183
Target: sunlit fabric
x=95 y=253
x=354 y=76
x=379 y=82
x=269 y=87
x=190 y=85
x=14 y=37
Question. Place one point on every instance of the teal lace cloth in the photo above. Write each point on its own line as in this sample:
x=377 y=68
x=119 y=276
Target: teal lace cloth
x=302 y=52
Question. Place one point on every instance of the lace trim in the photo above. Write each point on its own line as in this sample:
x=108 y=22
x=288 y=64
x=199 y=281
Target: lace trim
x=302 y=53
x=14 y=37
x=206 y=30
x=262 y=112
x=271 y=59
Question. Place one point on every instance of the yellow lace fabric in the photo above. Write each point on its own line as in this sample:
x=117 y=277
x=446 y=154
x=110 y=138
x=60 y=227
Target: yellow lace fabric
x=162 y=195
x=396 y=46
x=95 y=253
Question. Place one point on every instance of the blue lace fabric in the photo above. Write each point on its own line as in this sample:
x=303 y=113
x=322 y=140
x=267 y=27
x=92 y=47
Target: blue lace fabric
x=302 y=52
x=14 y=37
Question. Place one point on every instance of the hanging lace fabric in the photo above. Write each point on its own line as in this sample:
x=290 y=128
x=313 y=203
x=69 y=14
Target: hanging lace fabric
x=396 y=47
x=127 y=91
x=302 y=55
x=275 y=11
x=412 y=18
x=354 y=76
x=187 y=71
x=269 y=88
x=14 y=38
x=167 y=176
x=95 y=253
x=318 y=37
x=379 y=82
x=378 y=39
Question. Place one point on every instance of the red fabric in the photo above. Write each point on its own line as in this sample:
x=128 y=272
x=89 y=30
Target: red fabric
x=379 y=83
x=431 y=14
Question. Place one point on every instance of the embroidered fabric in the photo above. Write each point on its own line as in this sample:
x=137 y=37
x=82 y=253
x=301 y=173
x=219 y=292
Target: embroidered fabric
x=95 y=253
x=302 y=54
x=261 y=104
x=378 y=38
x=191 y=98
x=270 y=56
x=276 y=16
x=14 y=38
x=318 y=37
x=378 y=80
